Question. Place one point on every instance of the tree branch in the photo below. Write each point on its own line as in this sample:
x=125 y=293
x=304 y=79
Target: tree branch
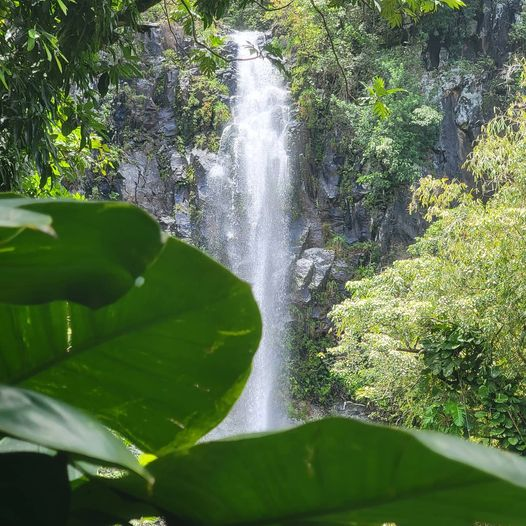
x=208 y=48
x=167 y=15
x=409 y=350
x=144 y=5
x=265 y=8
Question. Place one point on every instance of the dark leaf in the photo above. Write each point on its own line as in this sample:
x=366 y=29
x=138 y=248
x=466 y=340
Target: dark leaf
x=104 y=84
x=34 y=489
x=339 y=471
x=42 y=420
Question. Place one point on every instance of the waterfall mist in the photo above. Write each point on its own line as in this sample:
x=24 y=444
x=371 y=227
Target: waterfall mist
x=246 y=225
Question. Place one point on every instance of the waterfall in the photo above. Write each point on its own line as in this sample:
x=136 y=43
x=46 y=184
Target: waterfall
x=246 y=224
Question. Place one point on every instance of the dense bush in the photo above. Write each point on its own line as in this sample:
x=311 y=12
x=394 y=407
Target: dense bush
x=437 y=341
x=51 y=78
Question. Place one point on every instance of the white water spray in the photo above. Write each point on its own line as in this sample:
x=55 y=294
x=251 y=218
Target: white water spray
x=247 y=225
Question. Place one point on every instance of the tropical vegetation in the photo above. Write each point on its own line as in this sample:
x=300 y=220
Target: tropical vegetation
x=122 y=348
x=436 y=340
x=115 y=338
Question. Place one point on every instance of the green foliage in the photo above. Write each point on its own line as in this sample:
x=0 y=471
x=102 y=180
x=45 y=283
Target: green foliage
x=309 y=376
x=13 y=216
x=336 y=471
x=193 y=18
x=119 y=361
x=78 y=356
x=437 y=341
x=248 y=16
x=53 y=262
x=161 y=337
x=387 y=130
x=162 y=365
x=30 y=416
x=393 y=151
x=518 y=31
x=61 y=57
x=376 y=95
x=481 y=398
x=338 y=244
x=32 y=187
x=47 y=48
x=394 y=12
x=203 y=111
x=311 y=379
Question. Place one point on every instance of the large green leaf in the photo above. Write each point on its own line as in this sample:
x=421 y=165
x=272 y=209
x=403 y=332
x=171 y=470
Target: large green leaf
x=36 y=418
x=162 y=366
x=335 y=472
x=96 y=252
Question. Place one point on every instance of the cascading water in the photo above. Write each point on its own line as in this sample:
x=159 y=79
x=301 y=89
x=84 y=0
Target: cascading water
x=247 y=224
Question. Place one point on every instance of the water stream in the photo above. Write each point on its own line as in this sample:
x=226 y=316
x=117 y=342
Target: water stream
x=247 y=225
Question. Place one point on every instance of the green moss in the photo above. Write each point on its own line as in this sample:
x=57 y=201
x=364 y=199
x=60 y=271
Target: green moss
x=172 y=59
x=190 y=174
x=310 y=376
x=202 y=111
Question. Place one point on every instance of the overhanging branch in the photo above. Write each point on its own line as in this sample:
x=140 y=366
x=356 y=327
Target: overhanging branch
x=143 y=5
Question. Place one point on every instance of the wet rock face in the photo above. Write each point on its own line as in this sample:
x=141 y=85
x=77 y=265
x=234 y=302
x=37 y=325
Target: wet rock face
x=154 y=172
x=498 y=17
x=460 y=99
x=398 y=228
x=202 y=161
x=330 y=177
x=299 y=234
x=164 y=197
x=322 y=260
x=178 y=166
x=142 y=184
x=461 y=95
x=468 y=109
x=302 y=277
x=485 y=31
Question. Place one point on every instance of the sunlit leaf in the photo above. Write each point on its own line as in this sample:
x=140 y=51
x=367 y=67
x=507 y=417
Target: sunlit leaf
x=162 y=365
x=337 y=471
x=97 y=251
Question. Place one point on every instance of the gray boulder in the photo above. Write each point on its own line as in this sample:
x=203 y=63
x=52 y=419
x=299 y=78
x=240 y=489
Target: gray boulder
x=322 y=260
x=311 y=272
x=303 y=273
x=178 y=166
